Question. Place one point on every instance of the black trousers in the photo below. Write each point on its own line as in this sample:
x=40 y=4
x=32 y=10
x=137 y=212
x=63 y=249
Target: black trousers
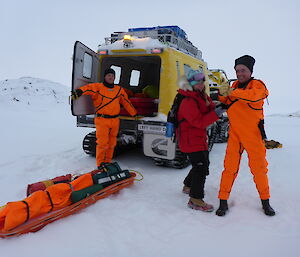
x=197 y=175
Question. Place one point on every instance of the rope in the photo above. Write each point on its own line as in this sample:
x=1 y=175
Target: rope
x=142 y=177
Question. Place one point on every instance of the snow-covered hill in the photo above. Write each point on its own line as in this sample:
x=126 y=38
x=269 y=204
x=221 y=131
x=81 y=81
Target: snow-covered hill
x=293 y=114
x=35 y=118
x=40 y=140
x=27 y=92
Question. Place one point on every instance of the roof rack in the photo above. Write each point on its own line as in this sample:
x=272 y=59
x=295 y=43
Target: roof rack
x=172 y=36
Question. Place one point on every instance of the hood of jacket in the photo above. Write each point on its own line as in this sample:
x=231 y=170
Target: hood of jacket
x=184 y=84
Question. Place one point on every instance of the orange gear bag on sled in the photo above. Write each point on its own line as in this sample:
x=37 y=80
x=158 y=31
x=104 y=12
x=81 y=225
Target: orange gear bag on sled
x=43 y=207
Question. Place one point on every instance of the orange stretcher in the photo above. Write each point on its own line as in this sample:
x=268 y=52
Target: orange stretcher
x=38 y=223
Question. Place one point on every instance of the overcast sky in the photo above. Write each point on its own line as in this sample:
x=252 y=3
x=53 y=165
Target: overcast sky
x=37 y=37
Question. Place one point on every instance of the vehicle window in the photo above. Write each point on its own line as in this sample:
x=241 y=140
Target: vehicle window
x=187 y=69
x=117 y=69
x=87 y=66
x=134 y=78
x=178 y=69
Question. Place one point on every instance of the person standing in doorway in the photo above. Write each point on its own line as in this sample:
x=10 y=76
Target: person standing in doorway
x=107 y=98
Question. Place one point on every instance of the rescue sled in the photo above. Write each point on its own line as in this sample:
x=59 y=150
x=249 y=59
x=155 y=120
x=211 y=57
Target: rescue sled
x=35 y=224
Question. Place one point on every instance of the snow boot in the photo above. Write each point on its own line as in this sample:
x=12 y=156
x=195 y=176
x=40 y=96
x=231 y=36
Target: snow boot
x=186 y=190
x=268 y=210
x=200 y=205
x=102 y=165
x=223 y=208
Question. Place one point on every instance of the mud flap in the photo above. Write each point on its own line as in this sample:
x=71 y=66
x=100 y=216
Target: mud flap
x=159 y=146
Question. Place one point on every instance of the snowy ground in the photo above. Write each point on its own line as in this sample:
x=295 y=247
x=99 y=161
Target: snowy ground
x=39 y=140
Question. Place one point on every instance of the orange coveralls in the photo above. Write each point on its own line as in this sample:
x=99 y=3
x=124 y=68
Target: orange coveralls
x=245 y=112
x=107 y=103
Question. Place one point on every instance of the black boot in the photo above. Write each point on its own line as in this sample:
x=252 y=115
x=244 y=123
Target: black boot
x=223 y=208
x=102 y=165
x=268 y=210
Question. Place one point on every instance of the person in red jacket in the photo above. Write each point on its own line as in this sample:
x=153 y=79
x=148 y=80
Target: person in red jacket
x=196 y=112
x=245 y=101
x=107 y=99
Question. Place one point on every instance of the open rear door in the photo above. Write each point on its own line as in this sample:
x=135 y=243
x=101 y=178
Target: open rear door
x=85 y=71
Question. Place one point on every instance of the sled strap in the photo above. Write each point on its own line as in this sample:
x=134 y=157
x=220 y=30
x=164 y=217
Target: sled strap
x=27 y=208
x=50 y=199
x=141 y=175
x=71 y=186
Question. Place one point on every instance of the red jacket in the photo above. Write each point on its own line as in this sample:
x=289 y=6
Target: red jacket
x=196 y=116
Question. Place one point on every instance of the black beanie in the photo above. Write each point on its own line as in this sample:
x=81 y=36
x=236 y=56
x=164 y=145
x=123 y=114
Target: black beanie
x=109 y=70
x=246 y=60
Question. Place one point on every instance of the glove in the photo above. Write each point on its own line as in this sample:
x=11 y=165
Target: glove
x=222 y=105
x=271 y=144
x=76 y=94
x=219 y=111
x=225 y=89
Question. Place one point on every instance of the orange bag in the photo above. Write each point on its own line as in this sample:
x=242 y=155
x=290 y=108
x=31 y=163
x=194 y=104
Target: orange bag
x=53 y=198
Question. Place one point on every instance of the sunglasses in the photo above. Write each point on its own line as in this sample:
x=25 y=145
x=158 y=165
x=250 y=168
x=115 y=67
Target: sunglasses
x=197 y=77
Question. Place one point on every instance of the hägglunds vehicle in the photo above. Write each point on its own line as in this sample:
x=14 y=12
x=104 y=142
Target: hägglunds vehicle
x=148 y=63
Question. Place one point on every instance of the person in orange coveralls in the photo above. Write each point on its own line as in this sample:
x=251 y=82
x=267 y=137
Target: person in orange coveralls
x=107 y=98
x=245 y=101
